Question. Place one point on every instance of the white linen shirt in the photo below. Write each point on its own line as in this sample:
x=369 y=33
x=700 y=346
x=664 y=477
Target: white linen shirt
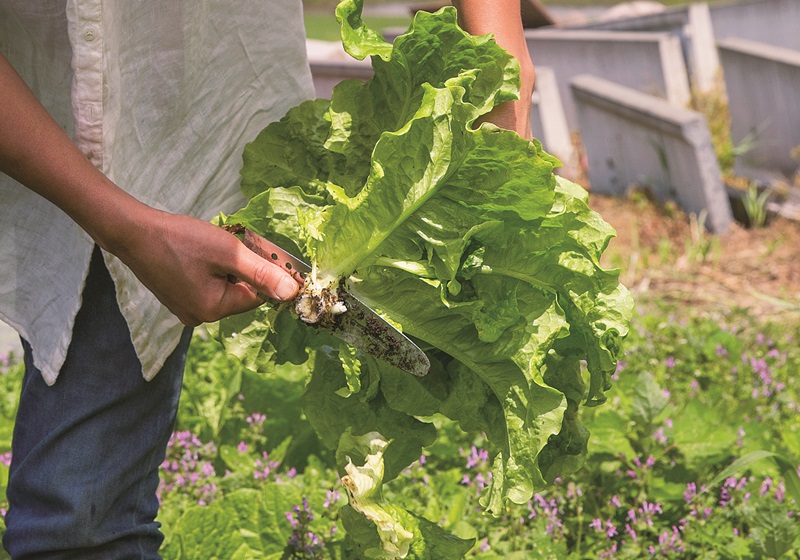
x=162 y=96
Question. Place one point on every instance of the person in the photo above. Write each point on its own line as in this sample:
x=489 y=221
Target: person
x=121 y=131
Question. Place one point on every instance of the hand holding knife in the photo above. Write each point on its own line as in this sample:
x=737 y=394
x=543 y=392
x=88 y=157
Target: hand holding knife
x=340 y=312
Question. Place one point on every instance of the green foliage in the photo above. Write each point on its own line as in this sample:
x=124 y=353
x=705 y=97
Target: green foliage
x=696 y=453
x=461 y=235
x=11 y=373
x=681 y=465
x=694 y=456
x=322 y=25
x=755 y=206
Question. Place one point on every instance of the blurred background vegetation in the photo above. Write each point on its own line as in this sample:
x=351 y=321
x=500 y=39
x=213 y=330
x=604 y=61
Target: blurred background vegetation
x=321 y=24
x=330 y=4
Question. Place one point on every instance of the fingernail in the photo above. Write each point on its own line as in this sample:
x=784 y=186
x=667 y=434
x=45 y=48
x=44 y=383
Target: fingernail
x=286 y=288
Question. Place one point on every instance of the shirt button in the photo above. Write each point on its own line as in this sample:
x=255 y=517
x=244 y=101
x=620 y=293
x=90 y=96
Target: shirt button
x=90 y=34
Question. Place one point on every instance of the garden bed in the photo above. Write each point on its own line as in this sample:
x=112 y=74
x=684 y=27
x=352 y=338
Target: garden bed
x=709 y=378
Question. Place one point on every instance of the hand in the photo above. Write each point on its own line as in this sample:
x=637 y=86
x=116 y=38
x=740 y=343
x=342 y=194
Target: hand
x=186 y=263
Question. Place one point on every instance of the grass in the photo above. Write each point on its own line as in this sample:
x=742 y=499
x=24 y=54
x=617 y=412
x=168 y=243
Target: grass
x=322 y=25
x=331 y=4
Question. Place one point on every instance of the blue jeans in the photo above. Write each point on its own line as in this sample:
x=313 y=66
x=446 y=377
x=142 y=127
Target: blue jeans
x=86 y=451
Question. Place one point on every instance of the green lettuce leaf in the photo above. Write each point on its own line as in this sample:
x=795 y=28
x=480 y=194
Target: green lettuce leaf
x=245 y=524
x=383 y=530
x=463 y=236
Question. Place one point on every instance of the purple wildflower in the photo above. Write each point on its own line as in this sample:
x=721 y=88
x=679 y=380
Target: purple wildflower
x=331 y=497
x=766 y=486
x=690 y=492
x=477 y=457
x=780 y=492
x=303 y=541
x=632 y=532
x=256 y=419
x=648 y=510
x=660 y=436
x=611 y=529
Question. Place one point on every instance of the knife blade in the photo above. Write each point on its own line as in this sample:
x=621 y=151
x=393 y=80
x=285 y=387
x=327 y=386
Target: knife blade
x=356 y=323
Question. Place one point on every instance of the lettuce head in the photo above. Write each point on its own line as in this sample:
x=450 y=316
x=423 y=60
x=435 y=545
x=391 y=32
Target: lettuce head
x=461 y=235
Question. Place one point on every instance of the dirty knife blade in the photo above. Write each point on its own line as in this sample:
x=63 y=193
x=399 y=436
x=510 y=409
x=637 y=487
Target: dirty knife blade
x=268 y=250
x=360 y=326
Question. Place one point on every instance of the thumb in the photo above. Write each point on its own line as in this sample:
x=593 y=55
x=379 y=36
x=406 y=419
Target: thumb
x=265 y=277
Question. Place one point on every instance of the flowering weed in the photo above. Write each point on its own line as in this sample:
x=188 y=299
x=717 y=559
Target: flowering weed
x=696 y=457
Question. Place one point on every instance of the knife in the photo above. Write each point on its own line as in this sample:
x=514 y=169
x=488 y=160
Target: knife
x=352 y=321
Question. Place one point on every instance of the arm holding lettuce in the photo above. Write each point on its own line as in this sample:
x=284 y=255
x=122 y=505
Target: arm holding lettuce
x=503 y=19
x=184 y=261
x=162 y=248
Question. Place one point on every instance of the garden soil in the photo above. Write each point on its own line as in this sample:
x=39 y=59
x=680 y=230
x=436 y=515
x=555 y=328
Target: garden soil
x=666 y=257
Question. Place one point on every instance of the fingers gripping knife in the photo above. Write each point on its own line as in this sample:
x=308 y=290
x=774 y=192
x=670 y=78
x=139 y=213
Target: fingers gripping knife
x=352 y=321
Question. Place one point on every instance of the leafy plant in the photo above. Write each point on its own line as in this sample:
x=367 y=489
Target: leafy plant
x=755 y=206
x=463 y=236
x=711 y=474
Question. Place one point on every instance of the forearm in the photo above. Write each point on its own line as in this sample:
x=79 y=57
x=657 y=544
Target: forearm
x=184 y=261
x=35 y=151
x=503 y=19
